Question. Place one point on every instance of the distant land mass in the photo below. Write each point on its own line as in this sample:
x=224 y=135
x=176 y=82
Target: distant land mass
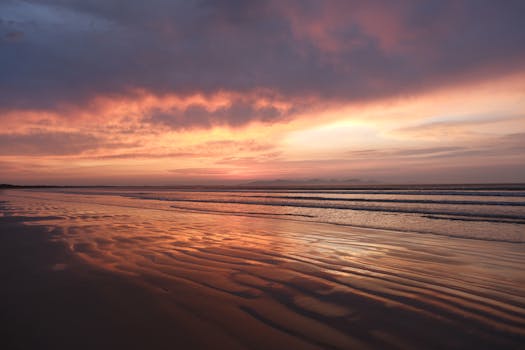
x=7 y=186
x=324 y=184
x=310 y=182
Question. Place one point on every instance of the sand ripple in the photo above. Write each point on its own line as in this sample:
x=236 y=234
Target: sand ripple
x=311 y=285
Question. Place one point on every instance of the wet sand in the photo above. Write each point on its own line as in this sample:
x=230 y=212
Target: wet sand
x=53 y=301
x=88 y=275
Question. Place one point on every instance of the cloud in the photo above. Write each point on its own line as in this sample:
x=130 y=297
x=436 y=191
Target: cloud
x=403 y=152
x=469 y=126
x=13 y=36
x=38 y=143
x=505 y=146
x=263 y=88
x=201 y=171
x=198 y=115
x=204 y=150
x=75 y=51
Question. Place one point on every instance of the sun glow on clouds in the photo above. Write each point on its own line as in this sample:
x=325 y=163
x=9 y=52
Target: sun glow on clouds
x=420 y=92
x=338 y=142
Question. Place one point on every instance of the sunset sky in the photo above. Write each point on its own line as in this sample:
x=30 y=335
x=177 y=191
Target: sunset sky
x=162 y=92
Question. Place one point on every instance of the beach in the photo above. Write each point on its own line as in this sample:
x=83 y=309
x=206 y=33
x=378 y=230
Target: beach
x=272 y=175
x=88 y=269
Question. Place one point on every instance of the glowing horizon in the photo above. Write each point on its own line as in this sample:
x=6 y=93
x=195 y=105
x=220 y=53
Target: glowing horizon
x=225 y=92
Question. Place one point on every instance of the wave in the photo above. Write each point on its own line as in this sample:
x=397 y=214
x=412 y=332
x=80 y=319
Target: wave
x=409 y=192
x=411 y=201
x=434 y=193
x=499 y=193
x=510 y=218
x=497 y=223
x=504 y=228
x=317 y=220
x=255 y=213
x=474 y=219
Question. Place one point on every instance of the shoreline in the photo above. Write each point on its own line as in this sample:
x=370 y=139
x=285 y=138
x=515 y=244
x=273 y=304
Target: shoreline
x=122 y=284
x=290 y=217
x=294 y=186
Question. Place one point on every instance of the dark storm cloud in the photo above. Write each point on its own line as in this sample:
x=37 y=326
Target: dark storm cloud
x=74 y=50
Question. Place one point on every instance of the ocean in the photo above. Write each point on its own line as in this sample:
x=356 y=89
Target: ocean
x=379 y=268
x=489 y=214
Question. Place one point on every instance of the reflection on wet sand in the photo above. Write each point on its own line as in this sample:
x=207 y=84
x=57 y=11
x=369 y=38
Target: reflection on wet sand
x=288 y=284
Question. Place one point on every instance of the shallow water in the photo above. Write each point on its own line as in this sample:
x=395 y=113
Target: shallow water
x=273 y=273
x=482 y=214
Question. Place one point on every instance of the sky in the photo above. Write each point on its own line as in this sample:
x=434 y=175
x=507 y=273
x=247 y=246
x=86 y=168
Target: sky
x=162 y=92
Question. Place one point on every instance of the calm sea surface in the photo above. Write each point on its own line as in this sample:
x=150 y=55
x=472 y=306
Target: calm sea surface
x=482 y=214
